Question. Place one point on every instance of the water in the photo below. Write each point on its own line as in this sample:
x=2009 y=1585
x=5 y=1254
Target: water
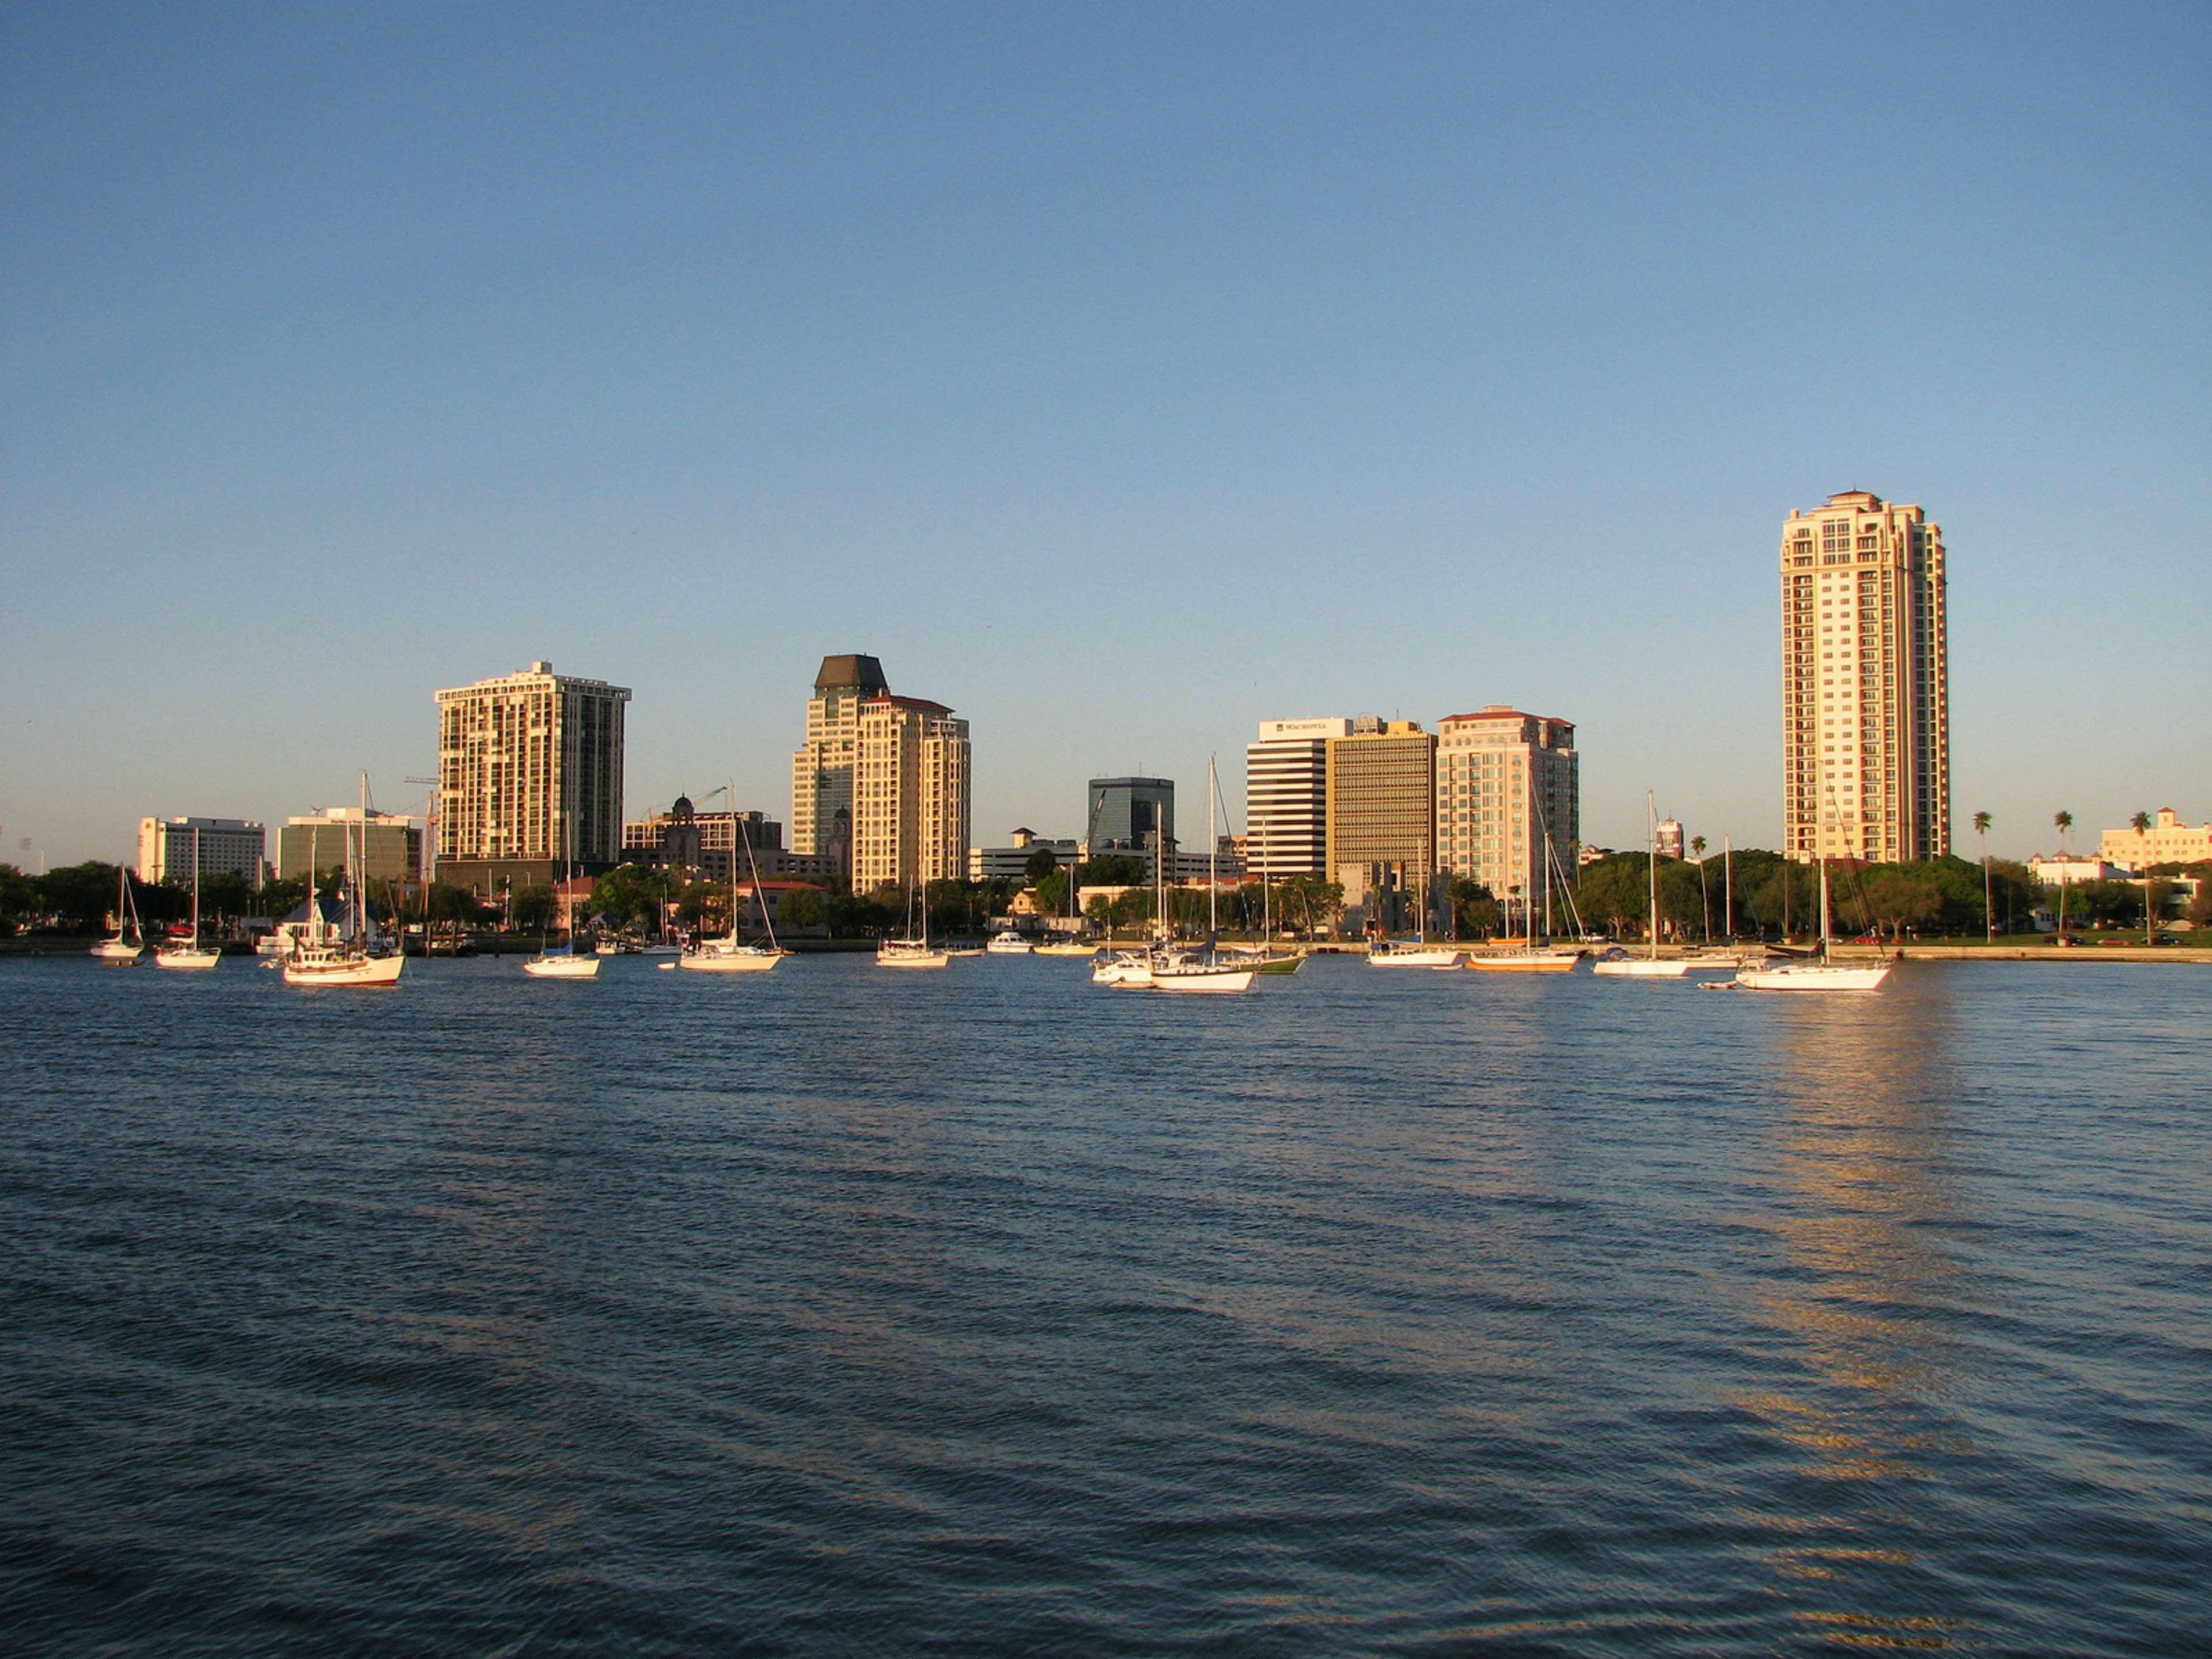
x=843 y=1311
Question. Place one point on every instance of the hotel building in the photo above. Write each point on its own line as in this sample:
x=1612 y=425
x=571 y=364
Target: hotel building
x=229 y=847
x=2168 y=841
x=909 y=792
x=1866 y=715
x=1286 y=795
x=529 y=775
x=821 y=769
x=1507 y=784
x=389 y=844
x=1380 y=831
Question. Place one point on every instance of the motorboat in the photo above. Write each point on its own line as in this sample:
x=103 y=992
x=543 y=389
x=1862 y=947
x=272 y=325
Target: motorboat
x=1008 y=943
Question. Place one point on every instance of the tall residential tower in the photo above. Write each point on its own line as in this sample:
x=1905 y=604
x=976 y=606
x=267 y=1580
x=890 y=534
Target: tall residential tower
x=909 y=784
x=1507 y=784
x=1866 y=707
x=822 y=770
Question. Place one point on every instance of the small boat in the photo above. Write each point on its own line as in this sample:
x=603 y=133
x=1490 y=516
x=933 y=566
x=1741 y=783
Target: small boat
x=1188 y=972
x=1126 y=967
x=1064 y=948
x=1799 y=974
x=123 y=949
x=567 y=961
x=1009 y=943
x=1200 y=974
x=1391 y=953
x=911 y=953
x=346 y=957
x=1535 y=960
x=194 y=954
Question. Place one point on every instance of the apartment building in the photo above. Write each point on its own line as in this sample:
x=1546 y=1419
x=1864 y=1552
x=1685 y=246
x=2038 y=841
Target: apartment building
x=1509 y=799
x=911 y=771
x=822 y=768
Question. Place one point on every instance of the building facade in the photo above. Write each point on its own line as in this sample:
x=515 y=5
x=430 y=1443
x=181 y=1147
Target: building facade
x=1122 y=815
x=1866 y=715
x=1509 y=799
x=822 y=768
x=1286 y=795
x=1381 y=826
x=712 y=844
x=228 y=846
x=1011 y=861
x=530 y=777
x=2168 y=841
x=389 y=844
x=910 y=794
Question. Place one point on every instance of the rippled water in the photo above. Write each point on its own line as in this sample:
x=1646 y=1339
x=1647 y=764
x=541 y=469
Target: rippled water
x=837 y=1311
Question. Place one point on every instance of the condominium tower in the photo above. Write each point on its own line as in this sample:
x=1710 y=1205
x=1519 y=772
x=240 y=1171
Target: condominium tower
x=530 y=774
x=1508 y=785
x=1866 y=712
x=909 y=792
x=1286 y=795
x=1381 y=823
x=821 y=769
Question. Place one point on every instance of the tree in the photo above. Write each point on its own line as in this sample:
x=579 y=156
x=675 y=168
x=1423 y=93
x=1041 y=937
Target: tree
x=19 y=899
x=2064 y=822
x=534 y=908
x=1475 y=906
x=1042 y=863
x=80 y=897
x=1052 y=892
x=1314 y=900
x=1704 y=893
x=1982 y=822
x=1114 y=870
x=630 y=895
x=803 y=907
x=1901 y=899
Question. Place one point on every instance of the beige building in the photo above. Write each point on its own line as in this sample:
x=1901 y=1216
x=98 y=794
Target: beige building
x=1507 y=784
x=1381 y=826
x=910 y=794
x=233 y=846
x=530 y=774
x=1866 y=720
x=2168 y=841
x=390 y=843
x=822 y=770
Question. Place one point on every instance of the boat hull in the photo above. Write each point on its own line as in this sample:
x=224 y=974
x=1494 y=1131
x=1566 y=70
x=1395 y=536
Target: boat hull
x=1641 y=968
x=1540 y=961
x=1065 y=950
x=188 y=958
x=116 y=951
x=1202 y=981
x=734 y=961
x=1813 y=976
x=1415 y=959
x=562 y=967
x=915 y=959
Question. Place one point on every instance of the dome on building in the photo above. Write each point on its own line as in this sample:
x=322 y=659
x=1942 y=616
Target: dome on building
x=683 y=807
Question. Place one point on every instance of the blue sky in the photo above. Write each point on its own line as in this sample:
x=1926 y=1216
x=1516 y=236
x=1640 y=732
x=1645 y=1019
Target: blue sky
x=1121 y=376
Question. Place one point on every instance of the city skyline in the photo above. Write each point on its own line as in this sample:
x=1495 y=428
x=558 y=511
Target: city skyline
x=1125 y=385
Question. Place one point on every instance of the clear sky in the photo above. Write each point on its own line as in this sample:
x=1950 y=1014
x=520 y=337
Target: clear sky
x=1119 y=375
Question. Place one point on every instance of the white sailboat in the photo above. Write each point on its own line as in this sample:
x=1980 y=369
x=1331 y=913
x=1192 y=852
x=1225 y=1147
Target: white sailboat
x=1645 y=966
x=194 y=955
x=1824 y=974
x=123 y=949
x=322 y=956
x=913 y=951
x=567 y=963
x=732 y=955
x=1204 y=972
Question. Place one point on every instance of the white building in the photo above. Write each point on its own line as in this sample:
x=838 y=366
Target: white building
x=228 y=846
x=821 y=769
x=1012 y=862
x=1286 y=795
x=910 y=794
x=2072 y=869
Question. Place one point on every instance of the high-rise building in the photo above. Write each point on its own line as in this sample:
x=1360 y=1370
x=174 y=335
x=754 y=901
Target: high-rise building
x=1381 y=827
x=228 y=846
x=1508 y=783
x=910 y=794
x=530 y=774
x=1122 y=815
x=389 y=844
x=1286 y=795
x=1866 y=710
x=821 y=769
x=1670 y=838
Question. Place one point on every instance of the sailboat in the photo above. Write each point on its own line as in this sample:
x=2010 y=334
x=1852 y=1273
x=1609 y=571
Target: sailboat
x=912 y=951
x=123 y=949
x=324 y=956
x=732 y=955
x=1204 y=970
x=1824 y=974
x=1621 y=965
x=1530 y=957
x=567 y=963
x=194 y=955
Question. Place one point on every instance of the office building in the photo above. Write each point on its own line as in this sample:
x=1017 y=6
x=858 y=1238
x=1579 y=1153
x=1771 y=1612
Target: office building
x=1866 y=718
x=228 y=846
x=1381 y=825
x=821 y=769
x=712 y=844
x=1286 y=795
x=1122 y=815
x=910 y=794
x=530 y=777
x=388 y=844
x=2168 y=841
x=1012 y=862
x=1509 y=799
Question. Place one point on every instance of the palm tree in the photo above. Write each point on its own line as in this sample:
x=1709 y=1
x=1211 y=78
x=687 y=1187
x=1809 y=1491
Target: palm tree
x=2064 y=821
x=1704 y=898
x=1982 y=822
x=2142 y=823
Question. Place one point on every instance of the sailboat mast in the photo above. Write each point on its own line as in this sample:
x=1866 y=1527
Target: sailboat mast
x=1651 y=851
x=1212 y=857
x=196 y=888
